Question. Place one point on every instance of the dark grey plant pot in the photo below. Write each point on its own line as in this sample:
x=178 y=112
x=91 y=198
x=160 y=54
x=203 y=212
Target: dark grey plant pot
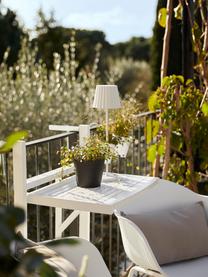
x=89 y=173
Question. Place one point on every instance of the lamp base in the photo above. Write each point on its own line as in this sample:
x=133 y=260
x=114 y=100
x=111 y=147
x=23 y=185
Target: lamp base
x=109 y=177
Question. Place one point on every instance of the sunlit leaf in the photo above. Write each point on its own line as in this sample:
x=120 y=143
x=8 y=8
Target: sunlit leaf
x=152 y=128
x=162 y=14
x=148 y=131
x=205 y=109
x=165 y=81
x=180 y=78
x=152 y=102
x=189 y=81
x=161 y=147
x=12 y=139
x=151 y=153
x=178 y=11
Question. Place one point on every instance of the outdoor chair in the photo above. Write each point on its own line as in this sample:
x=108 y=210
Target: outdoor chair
x=183 y=234
x=75 y=253
x=67 y=257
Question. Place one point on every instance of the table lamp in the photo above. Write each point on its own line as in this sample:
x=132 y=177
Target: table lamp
x=106 y=98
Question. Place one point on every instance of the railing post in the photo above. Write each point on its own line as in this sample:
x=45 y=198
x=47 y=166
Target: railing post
x=20 y=181
x=84 y=132
x=84 y=217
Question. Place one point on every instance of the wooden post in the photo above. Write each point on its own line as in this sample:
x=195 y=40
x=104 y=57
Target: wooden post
x=84 y=225
x=20 y=181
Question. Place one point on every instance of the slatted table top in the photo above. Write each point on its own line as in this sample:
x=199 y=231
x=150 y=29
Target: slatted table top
x=113 y=193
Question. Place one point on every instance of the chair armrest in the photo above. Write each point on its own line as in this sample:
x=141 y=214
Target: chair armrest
x=75 y=253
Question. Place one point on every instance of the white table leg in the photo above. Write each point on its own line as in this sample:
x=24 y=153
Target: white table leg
x=58 y=222
x=84 y=225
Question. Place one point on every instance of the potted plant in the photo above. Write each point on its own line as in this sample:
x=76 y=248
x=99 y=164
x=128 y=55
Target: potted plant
x=88 y=160
x=120 y=127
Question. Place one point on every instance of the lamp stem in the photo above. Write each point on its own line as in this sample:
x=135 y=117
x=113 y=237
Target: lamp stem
x=106 y=132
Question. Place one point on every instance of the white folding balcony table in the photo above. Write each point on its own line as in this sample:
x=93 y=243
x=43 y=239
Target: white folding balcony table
x=105 y=199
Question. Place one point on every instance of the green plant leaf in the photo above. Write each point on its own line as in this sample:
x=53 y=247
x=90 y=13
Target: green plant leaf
x=152 y=128
x=148 y=131
x=152 y=102
x=12 y=139
x=180 y=78
x=205 y=109
x=165 y=81
x=162 y=14
x=189 y=82
x=178 y=11
x=161 y=147
x=151 y=153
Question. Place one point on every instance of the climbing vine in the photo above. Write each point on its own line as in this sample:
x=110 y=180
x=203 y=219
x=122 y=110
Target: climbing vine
x=180 y=131
x=179 y=103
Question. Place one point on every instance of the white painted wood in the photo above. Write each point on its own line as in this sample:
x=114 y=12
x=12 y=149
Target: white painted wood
x=49 y=176
x=65 y=128
x=84 y=225
x=58 y=222
x=68 y=221
x=19 y=177
x=104 y=199
x=84 y=132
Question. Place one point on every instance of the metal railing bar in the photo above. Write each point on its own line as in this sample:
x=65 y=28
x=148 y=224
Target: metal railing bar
x=145 y=114
x=110 y=244
x=102 y=233
x=51 y=210
x=47 y=139
x=37 y=207
x=117 y=249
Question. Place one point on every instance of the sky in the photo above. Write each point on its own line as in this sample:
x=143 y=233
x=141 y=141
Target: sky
x=119 y=19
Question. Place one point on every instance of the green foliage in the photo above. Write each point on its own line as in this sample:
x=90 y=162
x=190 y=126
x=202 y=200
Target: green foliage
x=11 y=140
x=122 y=122
x=177 y=100
x=37 y=97
x=162 y=14
x=152 y=102
x=133 y=79
x=94 y=149
x=151 y=153
x=179 y=103
x=124 y=119
x=137 y=48
x=10 y=35
x=152 y=129
x=205 y=108
x=10 y=219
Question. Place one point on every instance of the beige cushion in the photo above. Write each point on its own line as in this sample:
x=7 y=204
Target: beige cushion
x=60 y=265
x=177 y=234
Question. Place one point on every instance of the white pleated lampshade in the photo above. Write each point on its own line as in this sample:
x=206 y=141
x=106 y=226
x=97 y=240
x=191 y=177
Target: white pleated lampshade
x=106 y=97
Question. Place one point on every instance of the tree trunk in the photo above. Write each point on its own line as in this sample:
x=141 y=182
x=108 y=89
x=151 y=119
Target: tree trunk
x=166 y=41
x=190 y=159
x=163 y=73
x=167 y=151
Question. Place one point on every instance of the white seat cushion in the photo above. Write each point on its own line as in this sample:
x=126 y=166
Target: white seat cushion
x=192 y=268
